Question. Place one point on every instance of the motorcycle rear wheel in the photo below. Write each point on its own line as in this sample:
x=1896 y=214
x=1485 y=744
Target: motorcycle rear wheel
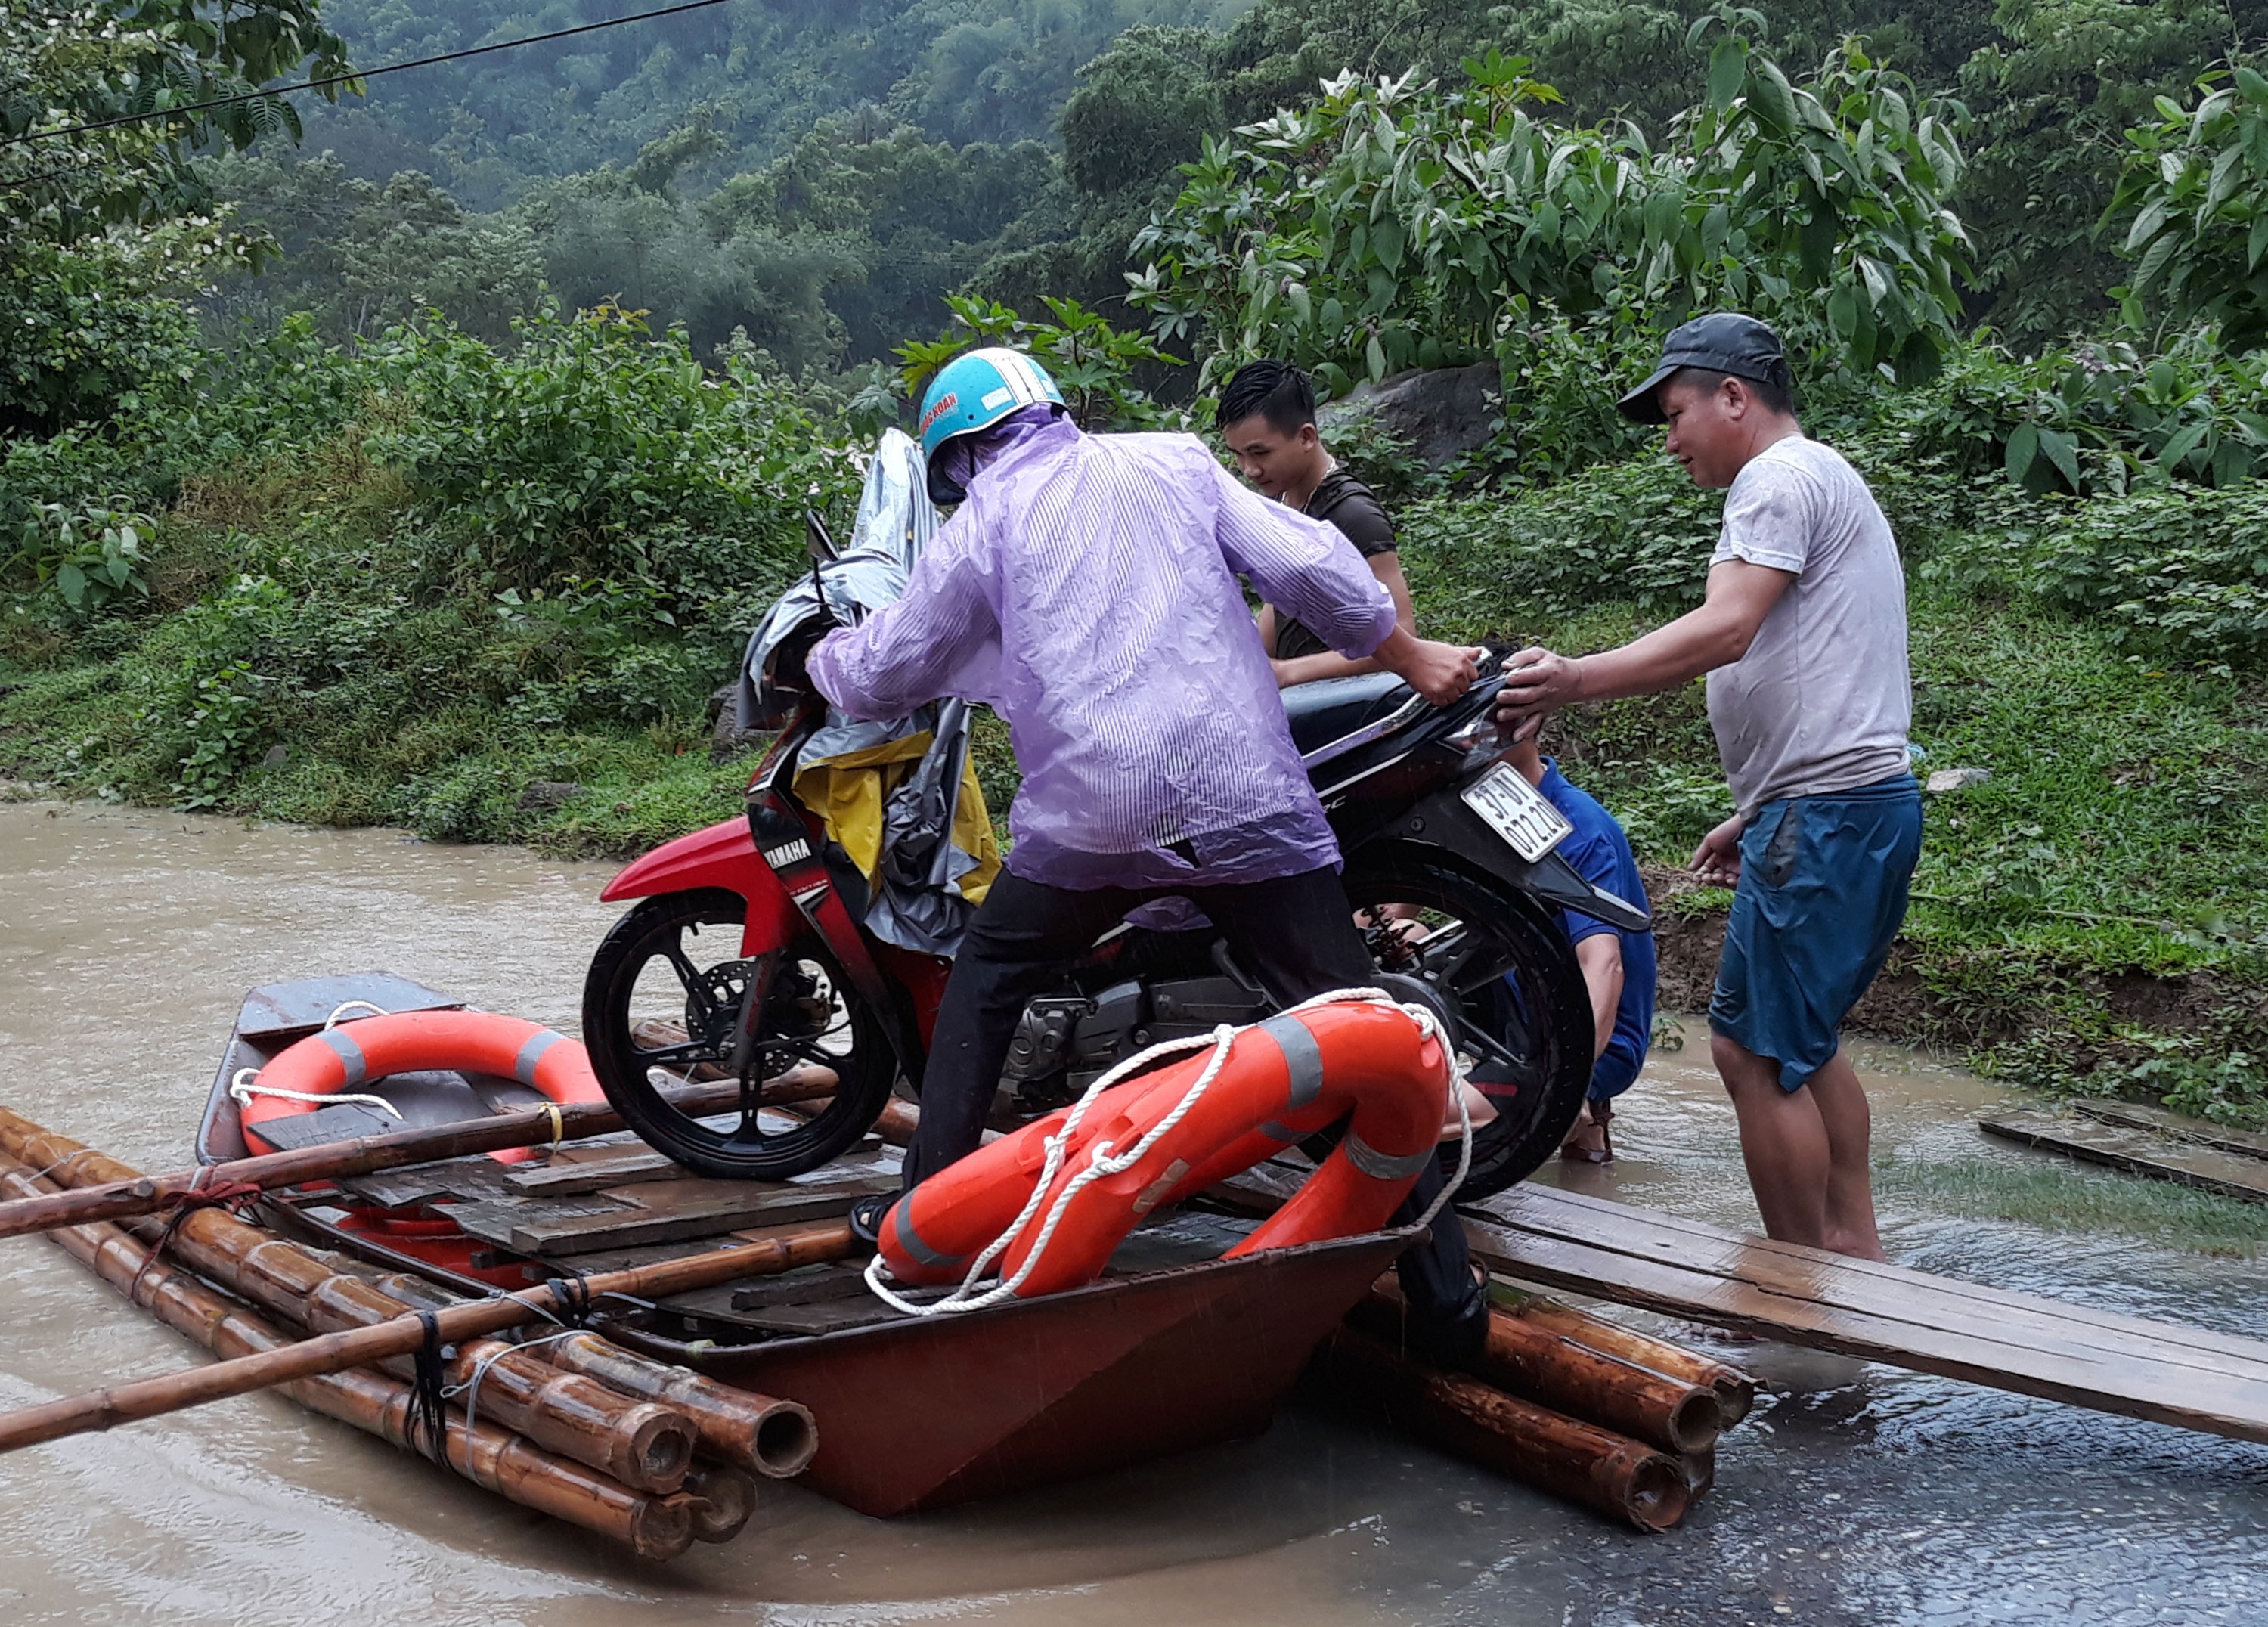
x=1506 y=970
x=656 y=965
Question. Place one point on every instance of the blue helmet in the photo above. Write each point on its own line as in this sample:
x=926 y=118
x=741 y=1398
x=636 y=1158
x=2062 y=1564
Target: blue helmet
x=975 y=390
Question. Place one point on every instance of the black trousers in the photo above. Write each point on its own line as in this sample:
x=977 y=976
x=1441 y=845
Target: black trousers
x=1295 y=933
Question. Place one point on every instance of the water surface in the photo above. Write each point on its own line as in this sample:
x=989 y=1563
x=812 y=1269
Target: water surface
x=1853 y=1495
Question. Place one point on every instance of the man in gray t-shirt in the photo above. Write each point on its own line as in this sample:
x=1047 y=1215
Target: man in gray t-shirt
x=1821 y=699
x=1802 y=634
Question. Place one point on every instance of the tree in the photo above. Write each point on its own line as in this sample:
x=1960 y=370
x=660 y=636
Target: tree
x=360 y=257
x=2052 y=104
x=100 y=229
x=2194 y=201
x=914 y=217
x=1397 y=225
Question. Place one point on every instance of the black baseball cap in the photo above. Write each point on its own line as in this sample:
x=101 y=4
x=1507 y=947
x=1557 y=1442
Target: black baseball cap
x=1722 y=341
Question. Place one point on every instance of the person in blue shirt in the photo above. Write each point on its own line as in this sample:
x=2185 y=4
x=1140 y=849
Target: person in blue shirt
x=1618 y=967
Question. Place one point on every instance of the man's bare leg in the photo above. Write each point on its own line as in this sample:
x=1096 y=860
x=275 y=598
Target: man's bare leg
x=1783 y=1142
x=1587 y=1134
x=1842 y=1103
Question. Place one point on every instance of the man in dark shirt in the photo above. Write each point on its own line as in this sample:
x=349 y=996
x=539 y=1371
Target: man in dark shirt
x=1268 y=419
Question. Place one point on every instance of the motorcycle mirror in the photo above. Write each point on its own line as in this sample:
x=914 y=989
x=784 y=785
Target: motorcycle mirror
x=815 y=540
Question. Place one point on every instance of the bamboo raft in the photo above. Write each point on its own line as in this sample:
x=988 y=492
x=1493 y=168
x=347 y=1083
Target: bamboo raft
x=683 y=1337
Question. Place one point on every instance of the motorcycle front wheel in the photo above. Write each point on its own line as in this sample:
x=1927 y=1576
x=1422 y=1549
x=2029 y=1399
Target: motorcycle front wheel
x=662 y=1003
x=1501 y=967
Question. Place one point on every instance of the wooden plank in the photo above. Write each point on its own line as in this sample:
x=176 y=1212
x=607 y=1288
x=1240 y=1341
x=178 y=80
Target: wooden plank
x=810 y=1285
x=829 y=1317
x=2137 y=1153
x=493 y=1220
x=591 y=1261
x=679 y=1210
x=2021 y=1343
x=462 y=1180
x=631 y=1165
x=2140 y=1115
x=1794 y=1270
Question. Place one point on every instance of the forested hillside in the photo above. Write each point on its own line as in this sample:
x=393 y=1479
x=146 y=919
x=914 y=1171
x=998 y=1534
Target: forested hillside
x=819 y=175
x=438 y=484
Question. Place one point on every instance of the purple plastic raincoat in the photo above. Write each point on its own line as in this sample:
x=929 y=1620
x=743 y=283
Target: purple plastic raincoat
x=1086 y=591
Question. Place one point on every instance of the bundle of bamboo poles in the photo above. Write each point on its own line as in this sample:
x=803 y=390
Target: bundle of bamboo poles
x=649 y=1454
x=1561 y=1400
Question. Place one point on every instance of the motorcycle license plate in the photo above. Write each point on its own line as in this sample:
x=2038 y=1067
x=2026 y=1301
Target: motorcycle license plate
x=1516 y=811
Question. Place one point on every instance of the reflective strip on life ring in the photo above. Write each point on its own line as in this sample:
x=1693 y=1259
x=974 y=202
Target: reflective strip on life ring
x=1282 y=1079
x=356 y=1052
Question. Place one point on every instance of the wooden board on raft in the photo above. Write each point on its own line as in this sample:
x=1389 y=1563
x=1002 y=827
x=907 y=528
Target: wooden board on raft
x=617 y=1197
x=2175 y=1374
x=2137 y=1153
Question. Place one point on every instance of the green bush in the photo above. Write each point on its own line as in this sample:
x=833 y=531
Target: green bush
x=565 y=457
x=1638 y=534
x=87 y=558
x=2180 y=574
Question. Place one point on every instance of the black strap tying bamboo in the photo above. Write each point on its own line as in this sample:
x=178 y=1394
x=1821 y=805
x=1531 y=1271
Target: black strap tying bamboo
x=573 y=1298
x=425 y=1428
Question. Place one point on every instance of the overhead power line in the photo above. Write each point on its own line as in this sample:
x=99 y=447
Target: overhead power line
x=365 y=73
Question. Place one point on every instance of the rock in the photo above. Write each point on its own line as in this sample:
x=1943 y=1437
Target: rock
x=548 y=796
x=1442 y=412
x=723 y=698
x=727 y=740
x=1947 y=780
x=277 y=757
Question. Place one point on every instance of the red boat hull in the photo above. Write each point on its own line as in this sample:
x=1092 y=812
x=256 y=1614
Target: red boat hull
x=918 y=1415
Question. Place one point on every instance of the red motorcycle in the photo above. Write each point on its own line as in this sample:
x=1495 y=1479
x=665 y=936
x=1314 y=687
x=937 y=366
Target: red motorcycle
x=751 y=938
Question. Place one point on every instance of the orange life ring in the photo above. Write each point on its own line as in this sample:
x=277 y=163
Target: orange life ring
x=1282 y=1079
x=353 y=1054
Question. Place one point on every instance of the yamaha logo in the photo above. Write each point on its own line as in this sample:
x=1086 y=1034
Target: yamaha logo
x=787 y=853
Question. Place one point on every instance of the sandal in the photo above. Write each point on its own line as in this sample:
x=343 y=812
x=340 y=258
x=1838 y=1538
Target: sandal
x=1602 y=1115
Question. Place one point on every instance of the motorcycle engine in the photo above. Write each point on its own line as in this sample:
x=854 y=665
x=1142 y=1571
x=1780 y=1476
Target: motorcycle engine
x=1064 y=1043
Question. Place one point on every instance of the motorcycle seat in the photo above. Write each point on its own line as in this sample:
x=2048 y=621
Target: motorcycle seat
x=1333 y=708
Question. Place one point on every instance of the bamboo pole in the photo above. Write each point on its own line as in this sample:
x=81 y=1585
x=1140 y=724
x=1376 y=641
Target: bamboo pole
x=639 y=1443
x=490 y=1457
x=763 y=1434
x=723 y=1498
x=773 y=1437
x=121 y=1198
x=1736 y=1391
x=1564 y=1456
x=642 y=1444
x=895 y=1124
x=361 y=1345
x=1555 y=1372
x=332 y=1353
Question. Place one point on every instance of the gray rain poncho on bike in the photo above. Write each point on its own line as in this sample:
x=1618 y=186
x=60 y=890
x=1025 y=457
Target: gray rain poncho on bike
x=899 y=796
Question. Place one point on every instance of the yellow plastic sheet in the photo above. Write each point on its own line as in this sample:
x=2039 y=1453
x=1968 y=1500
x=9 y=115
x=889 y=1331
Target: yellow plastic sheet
x=849 y=793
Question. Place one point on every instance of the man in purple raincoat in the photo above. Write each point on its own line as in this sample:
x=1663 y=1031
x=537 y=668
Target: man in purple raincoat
x=1086 y=590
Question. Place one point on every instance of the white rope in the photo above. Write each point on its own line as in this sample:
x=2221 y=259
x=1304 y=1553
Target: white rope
x=960 y=1299
x=1102 y=1162
x=242 y=1089
x=344 y=1007
x=470 y=1389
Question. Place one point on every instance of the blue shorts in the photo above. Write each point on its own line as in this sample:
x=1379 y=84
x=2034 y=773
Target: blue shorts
x=1821 y=895
x=1615 y=1073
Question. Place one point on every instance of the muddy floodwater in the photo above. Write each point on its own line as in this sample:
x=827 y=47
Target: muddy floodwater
x=1854 y=1494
